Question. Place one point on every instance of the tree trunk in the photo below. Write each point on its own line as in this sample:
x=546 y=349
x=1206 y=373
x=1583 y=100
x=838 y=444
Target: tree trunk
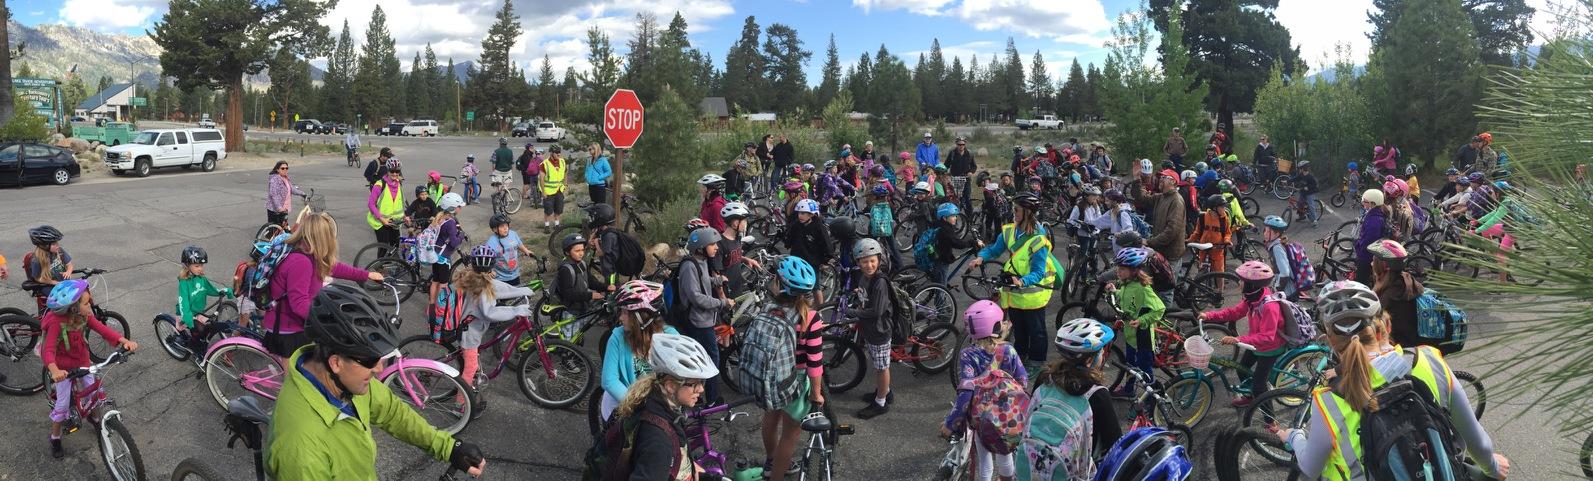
x=8 y=106
x=234 y=130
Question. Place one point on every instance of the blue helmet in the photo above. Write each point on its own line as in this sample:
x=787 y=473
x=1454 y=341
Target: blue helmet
x=1276 y=222
x=1352 y=166
x=1145 y=454
x=66 y=294
x=947 y=210
x=880 y=190
x=1132 y=256
x=1463 y=181
x=808 y=205
x=796 y=275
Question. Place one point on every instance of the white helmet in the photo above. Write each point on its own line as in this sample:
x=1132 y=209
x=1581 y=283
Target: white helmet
x=710 y=179
x=451 y=202
x=734 y=210
x=808 y=205
x=1187 y=174
x=681 y=357
x=1083 y=336
x=921 y=187
x=1347 y=306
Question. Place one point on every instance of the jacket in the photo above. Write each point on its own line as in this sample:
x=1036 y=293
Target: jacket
x=947 y=242
x=573 y=285
x=1167 y=230
x=1372 y=226
x=651 y=451
x=294 y=285
x=485 y=308
x=74 y=352
x=421 y=210
x=1138 y=302
x=960 y=163
x=619 y=364
x=784 y=154
x=735 y=182
x=598 y=171
x=1265 y=155
x=809 y=241
x=928 y=154
x=710 y=211
x=874 y=315
x=1213 y=227
x=1175 y=145
x=524 y=161
x=697 y=289
x=1266 y=318
x=974 y=362
x=191 y=296
x=277 y=198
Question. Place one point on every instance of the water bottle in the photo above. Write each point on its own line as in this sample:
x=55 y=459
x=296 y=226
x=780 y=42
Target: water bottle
x=745 y=473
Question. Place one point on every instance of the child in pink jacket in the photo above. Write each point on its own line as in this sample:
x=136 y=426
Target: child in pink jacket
x=1266 y=318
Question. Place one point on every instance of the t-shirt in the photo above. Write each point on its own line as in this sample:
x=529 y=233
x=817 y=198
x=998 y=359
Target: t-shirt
x=508 y=266
x=57 y=266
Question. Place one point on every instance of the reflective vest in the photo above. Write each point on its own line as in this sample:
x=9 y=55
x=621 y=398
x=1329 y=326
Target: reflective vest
x=553 y=183
x=1029 y=297
x=436 y=191
x=390 y=204
x=1344 y=424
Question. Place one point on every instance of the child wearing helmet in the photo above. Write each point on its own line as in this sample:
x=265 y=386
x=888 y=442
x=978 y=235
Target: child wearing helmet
x=449 y=237
x=434 y=185
x=793 y=303
x=422 y=208
x=808 y=237
x=66 y=322
x=713 y=200
x=995 y=207
x=1401 y=219
x=949 y=238
x=467 y=176
x=702 y=293
x=573 y=282
x=1082 y=219
x=1137 y=297
x=874 y=321
x=1274 y=234
x=478 y=293
x=1265 y=314
x=730 y=261
x=193 y=292
x=1082 y=424
x=48 y=264
x=506 y=243
x=651 y=411
x=628 y=347
x=1215 y=227
x=980 y=365
x=1236 y=212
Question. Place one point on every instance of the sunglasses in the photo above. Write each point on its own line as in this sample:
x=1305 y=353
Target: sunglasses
x=691 y=384
x=284 y=168
x=368 y=363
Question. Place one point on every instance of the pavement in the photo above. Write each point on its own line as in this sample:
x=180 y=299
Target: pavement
x=135 y=228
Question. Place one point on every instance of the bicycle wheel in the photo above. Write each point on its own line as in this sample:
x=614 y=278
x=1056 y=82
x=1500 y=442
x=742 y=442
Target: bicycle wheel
x=369 y=253
x=1188 y=401
x=422 y=347
x=444 y=401
x=906 y=234
x=1299 y=369
x=1474 y=393
x=1283 y=187
x=227 y=311
x=844 y=363
x=1587 y=456
x=1337 y=200
x=194 y=470
x=237 y=370
x=119 y=451
x=266 y=232
x=97 y=345
x=166 y=333
x=556 y=238
x=513 y=202
x=975 y=282
x=1249 y=206
x=401 y=274
x=1277 y=410
x=1213 y=290
x=565 y=379
x=19 y=366
x=934 y=304
x=934 y=348
x=1233 y=462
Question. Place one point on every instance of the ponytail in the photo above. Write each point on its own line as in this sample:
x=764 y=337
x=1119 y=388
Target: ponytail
x=1354 y=382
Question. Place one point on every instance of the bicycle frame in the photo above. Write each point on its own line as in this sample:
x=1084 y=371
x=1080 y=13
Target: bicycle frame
x=711 y=460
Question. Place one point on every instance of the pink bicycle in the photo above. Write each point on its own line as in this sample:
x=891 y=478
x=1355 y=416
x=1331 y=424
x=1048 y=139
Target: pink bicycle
x=91 y=403
x=239 y=366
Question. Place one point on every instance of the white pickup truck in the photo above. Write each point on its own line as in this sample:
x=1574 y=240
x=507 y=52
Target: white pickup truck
x=184 y=148
x=1044 y=122
x=547 y=131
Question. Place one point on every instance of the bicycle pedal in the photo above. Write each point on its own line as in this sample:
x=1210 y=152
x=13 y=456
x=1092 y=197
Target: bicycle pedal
x=845 y=430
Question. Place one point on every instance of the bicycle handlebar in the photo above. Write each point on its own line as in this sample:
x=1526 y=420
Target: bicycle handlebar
x=119 y=356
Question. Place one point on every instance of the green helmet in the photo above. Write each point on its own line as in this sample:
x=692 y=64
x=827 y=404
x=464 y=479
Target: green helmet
x=1225 y=185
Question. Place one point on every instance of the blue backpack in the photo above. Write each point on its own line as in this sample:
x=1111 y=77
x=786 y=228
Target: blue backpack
x=1140 y=226
x=1441 y=320
x=924 y=249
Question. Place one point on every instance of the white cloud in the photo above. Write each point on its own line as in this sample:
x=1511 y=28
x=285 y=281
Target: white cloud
x=921 y=7
x=1319 y=27
x=1068 y=21
x=106 y=14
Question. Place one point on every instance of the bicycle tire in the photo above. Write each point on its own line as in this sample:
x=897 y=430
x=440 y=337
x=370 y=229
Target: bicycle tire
x=1234 y=463
x=514 y=201
x=939 y=344
x=266 y=232
x=119 y=451
x=400 y=273
x=556 y=237
x=97 y=344
x=1587 y=456
x=1249 y=206
x=1337 y=200
x=439 y=392
x=1189 y=401
x=1212 y=290
x=933 y=304
x=221 y=371
x=1474 y=392
x=906 y=234
x=19 y=366
x=1277 y=409
x=368 y=253
x=165 y=329
x=576 y=367
x=844 y=363
x=1283 y=187
x=192 y=469
x=422 y=347
x=1297 y=369
x=910 y=277
x=973 y=281
x=12 y=311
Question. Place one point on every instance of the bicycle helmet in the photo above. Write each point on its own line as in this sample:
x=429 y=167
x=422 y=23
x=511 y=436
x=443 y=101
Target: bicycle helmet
x=1372 y=195
x=1305 y=164
x=530 y=145
x=941 y=168
x=451 y=202
x=1477 y=176
x=921 y=188
x=1092 y=190
x=694 y=224
x=572 y=240
x=880 y=190
x=1213 y=201
x=1187 y=175
x=434 y=176
x=982 y=317
x=1275 y=222
x=947 y=210
x=66 y=294
x=866 y=248
x=712 y=181
x=1027 y=200
x=1132 y=256
x=749 y=145
x=1463 y=181
x=470 y=158
x=599 y=215
x=1039 y=149
x=1410 y=169
x=1487 y=138
x=1451 y=171
x=1225 y=185
x=734 y=210
x=702 y=238
x=796 y=275
x=1083 y=336
x=1201 y=167
x=1254 y=271
x=808 y=168
x=1144 y=166
x=1129 y=238
x=44 y=235
x=992 y=187
x=1501 y=185
x=792 y=187
x=498 y=220
x=742 y=163
x=482 y=258
x=419 y=189
x=1350 y=302
x=808 y=205
x=345 y=321
x=1387 y=249
x=195 y=255
x=842 y=228
x=1378 y=150
x=680 y=357
x=831 y=163
x=556 y=149
x=259 y=250
x=640 y=295
x=1352 y=166
x=876 y=171
x=1396 y=188
x=503 y=141
x=1115 y=195
x=796 y=169
x=1145 y=454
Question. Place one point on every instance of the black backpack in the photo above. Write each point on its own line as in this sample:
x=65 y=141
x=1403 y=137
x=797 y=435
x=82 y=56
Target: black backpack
x=675 y=301
x=609 y=459
x=1409 y=436
x=628 y=257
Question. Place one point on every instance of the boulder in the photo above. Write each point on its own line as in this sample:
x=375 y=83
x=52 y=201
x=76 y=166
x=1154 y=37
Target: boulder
x=56 y=137
x=77 y=145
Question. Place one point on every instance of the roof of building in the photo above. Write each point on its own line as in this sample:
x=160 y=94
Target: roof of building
x=99 y=98
x=714 y=107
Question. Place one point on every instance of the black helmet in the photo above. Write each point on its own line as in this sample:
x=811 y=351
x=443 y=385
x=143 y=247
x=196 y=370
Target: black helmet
x=572 y=240
x=599 y=214
x=1129 y=238
x=1213 y=201
x=420 y=189
x=44 y=235
x=345 y=321
x=195 y=255
x=503 y=141
x=1027 y=200
x=555 y=149
x=843 y=228
x=498 y=220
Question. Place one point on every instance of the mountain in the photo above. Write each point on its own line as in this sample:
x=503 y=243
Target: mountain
x=52 y=50
x=461 y=69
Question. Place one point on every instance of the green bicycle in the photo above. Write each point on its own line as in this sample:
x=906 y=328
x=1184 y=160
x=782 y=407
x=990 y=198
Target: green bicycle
x=1195 y=389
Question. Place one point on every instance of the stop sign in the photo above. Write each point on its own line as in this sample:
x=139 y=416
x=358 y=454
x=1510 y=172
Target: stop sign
x=622 y=118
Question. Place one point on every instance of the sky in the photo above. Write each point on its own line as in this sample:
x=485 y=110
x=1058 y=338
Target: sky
x=1060 y=30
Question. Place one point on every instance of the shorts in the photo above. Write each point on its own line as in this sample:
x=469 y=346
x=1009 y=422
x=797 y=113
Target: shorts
x=505 y=178
x=553 y=204
x=800 y=405
x=880 y=354
x=442 y=273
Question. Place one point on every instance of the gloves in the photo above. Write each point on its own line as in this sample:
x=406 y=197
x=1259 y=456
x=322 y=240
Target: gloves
x=465 y=456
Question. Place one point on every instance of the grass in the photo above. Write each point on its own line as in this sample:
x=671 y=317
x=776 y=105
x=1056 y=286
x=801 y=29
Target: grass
x=303 y=147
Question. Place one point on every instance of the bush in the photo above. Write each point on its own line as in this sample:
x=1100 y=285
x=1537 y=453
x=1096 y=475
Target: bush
x=982 y=134
x=666 y=226
x=26 y=125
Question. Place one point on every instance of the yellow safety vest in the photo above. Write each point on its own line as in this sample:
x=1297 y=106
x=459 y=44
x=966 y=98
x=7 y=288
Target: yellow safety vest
x=1031 y=297
x=553 y=182
x=390 y=205
x=1344 y=424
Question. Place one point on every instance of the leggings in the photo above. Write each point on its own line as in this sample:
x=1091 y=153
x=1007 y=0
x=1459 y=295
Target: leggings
x=63 y=397
x=1028 y=333
x=1260 y=372
x=992 y=464
x=388 y=236
x=1144 y=356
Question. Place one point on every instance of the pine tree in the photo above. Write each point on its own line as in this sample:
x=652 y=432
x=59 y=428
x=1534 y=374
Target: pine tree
x=1144 y=103
x=1501 y=27
x=1070 y=101
x=605 y=65
x=641 y=63
x=744 y=83
x=437 y=84
x=830 y=84
x=956 y=101
x=1425 y=78
x=495 y=89
x=785 y=62
x=417 y=87
x=672 y=131
x=290 y=79
x=547 y=97
x=375 y=80
x=1040 y=87
x=900 y=104
x=933 y=86
x=1233 y=44
x=24 y=71
x=1013 y=80
x=679 y=65
x=1092 y=95
x=337 y=90
x=858 y=81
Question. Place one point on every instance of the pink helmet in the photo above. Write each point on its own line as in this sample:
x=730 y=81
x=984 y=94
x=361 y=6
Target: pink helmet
x=1254 y=271
x=639 y=295
x=1377 y=150
x=434 y=176
x=982 y=318
x=905 y=155
x=1396 y=188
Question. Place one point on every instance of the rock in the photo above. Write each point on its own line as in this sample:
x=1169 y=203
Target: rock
x=77 y=145
x=100 y=150
x=56 y=137
x=982 y=152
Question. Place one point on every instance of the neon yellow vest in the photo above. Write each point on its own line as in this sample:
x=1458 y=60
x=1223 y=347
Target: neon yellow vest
x=553 y=182
x=1031 y=297
x=1344 y=424
x=390 y=205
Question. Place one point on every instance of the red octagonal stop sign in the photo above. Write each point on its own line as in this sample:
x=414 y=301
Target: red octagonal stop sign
x=622 y=118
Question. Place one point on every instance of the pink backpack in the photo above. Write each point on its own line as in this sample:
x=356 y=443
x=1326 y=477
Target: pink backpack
x=998 y=408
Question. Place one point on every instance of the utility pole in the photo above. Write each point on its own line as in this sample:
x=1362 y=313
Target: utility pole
x=458 y=109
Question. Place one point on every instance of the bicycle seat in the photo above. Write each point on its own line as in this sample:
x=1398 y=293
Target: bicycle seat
x=1199 y=246
x=248 y=407
x=1181 y=313
x=816 y=424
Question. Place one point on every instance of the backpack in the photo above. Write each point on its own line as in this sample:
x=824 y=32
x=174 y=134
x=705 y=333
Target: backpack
x=902 y=313
x=447 y=314
x=1300 y=267
x=257 y=287
x=609 y=459
x=768 y=360
x=674 y=302
x=1140 y=226
x=628 y=257
x=1439 y=319
x=1409 y=437
x=998 y=408
x=1058 y=438
x=881 y=223
x=426 y=251
x=924 y=248
x=1297 y=328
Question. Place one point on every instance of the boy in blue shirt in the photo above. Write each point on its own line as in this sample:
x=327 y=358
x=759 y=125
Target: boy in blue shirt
x=506 y=242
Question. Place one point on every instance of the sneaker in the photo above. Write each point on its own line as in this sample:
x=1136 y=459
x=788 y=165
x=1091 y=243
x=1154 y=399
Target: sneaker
x=55 y=449
x=1241 y=402
x=1123 y=392
x=868 y=397
x=873 y=410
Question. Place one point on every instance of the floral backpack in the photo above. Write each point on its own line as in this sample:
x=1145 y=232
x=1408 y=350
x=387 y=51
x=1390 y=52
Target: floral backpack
x=998 y=408
x=1058 y=441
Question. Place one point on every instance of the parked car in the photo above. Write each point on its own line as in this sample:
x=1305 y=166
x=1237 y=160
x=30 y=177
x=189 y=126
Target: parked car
x=108 y=133
x=394 y=128
x=152 y=149
x=205 y=122
x=30 y=163
x=1044 y=122
x=308 y=126
x=522 y=129
x=337 y=128
x=547 y=131
x=427 y=128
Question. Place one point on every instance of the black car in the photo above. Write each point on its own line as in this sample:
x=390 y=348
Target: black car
x=29 y=163
x=338 y=128
x=522 y=129
x=309 y=126
x=391 y=129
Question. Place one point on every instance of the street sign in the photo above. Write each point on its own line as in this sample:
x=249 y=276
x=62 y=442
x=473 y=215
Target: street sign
x=139 y=102
x=470 y=116
x=622 y=119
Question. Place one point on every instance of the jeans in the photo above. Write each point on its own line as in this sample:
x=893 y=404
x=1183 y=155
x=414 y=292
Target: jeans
x=710 y=342
x=1029 y=335
x=1310 y=206
x=1143 y=356
x=278 y=218
x=598 y=193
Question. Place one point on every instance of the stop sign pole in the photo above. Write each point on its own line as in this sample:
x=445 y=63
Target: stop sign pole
x=622 y=124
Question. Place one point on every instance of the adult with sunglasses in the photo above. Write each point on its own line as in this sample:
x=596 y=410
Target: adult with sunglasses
x=278 y=201
x=330 y=398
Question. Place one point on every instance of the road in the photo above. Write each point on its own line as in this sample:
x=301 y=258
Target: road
x=136 y=228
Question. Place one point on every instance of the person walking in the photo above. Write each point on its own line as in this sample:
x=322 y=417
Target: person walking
x=1175 y=148
x=553 y=186
x=529 y=164
x=278 y=202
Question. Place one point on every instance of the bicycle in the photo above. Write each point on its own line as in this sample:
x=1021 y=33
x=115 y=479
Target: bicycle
x=269 y=231
x=353 y=158
x=92 y=403
x=1085 y=267
x=472 y=189
x=957 y=464
x=1298 y=367
x=506 y=199
x=823 y=436
x=1169 y=346
x=402 y=267
x=223 y=314
x=930 y=349
x=112 y=319
x=1202 y=288
x=1153 y=408
x=240 y=365
x=20 y=334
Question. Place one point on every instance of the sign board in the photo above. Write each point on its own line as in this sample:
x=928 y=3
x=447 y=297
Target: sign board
x=139 y=102
x=43 y=94
x=622 y=119
x=470 y=116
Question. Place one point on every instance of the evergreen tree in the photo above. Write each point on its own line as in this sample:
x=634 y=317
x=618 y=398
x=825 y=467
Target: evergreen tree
x=547 y=97
x=785 y=62
x=744 y=81
x=105 y=83
x=1012 y=81
x=377 y=76
x=417 y=86
x=1040 y=88
x=605 y=65
x=1091 y=105
x=900 y=105
x=1233 y=44
x=858 y=81
x=290 y=79
x=641 y=63
x=662 y=154
x=437 y=85
x=1501 y=27
x=1145 y=103
x=74 y=91
x=933 y=85
x=496 y=90
x=569 y=91
x=679 y=65
x=956 y=100
x=1425 y=78
x=24 y=71
x=1070 y=101
x=830 y=84
x=337 y=85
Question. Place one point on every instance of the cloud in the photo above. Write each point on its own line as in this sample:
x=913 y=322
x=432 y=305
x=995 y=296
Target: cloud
x=1068 y=21
x=921 y=7
x=1319 y=27
x=108 y=14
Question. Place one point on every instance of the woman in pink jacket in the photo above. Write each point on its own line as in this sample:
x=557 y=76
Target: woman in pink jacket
x=1266 y=317
x=311 y=264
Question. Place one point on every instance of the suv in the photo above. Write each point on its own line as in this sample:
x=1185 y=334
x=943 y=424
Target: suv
x=310 y=126
x=522 y=129
x=426 y=128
